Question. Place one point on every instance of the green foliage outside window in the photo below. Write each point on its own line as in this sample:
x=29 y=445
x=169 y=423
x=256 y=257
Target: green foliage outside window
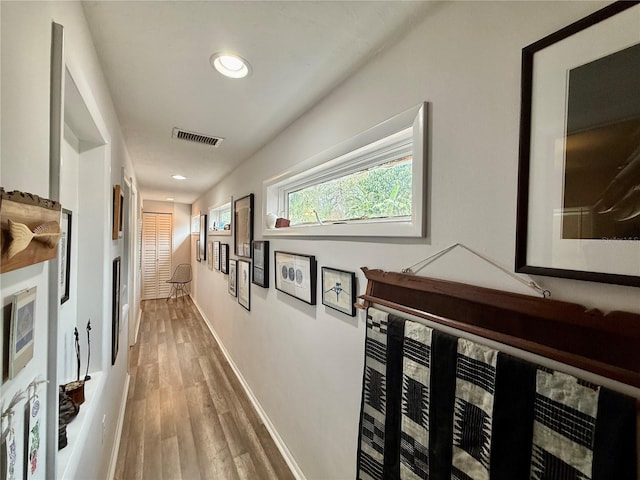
x=378 y=192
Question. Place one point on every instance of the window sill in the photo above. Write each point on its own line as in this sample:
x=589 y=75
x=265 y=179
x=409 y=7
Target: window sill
x=70 y=457
x=389 y=229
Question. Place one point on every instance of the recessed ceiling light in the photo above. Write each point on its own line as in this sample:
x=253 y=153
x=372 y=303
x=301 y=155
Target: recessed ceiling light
x=178 y=177
x=230 y=65
x=170 y=199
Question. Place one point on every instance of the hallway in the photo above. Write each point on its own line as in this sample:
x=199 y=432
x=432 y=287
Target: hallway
x=187 y=415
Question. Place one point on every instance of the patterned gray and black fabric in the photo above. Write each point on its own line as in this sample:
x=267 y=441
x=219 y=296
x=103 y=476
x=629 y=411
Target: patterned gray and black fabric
x=379 y=421
x=437 y=407
x=473 y=411
x=569 y=415
x=565 y=413
x=416 y=378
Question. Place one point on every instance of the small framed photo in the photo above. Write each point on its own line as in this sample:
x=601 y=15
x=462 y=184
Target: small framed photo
x=210 y=255
x=244 y=284
x=22 y=330
x=261 y=263
x=224 y=258
x=233 y=277
x=339 y=290
x=296 y=275
x=216 y=255
x=118 y=214
x=243 y=225
x=65 y=255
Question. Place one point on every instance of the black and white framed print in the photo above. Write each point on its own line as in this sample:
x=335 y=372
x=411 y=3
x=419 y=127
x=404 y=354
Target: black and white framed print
x=339 y=290
x=22 y=330
x=261 y=263
x=216 y=255
x=579 y=168
x=244 y=284
x=224 y=258
x=296 y=275
x=210 y=255
x=233 y=277
x=243 y=225
x=65 y=255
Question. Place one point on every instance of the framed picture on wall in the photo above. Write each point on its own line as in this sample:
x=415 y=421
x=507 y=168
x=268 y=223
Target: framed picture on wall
x=233 y=277
x=203 y=236
x=339 y=290
x=22 y=330
x=224 y=258
x=118 y=212
x=216 y=255
x=115 y=310
x=296 y=275
x=210 y=255
x=261 y=263
x=65 y=255
x=243 y=225
x=244 y=284
x=198 y=257
x=579 y=167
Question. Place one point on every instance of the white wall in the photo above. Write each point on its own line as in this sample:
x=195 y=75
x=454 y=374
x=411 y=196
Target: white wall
x=25 y=109
x=304 y=363
x=181 y=243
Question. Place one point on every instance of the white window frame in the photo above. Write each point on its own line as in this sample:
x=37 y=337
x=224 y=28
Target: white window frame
x=214 y=214
x=195 y=224
x=402 y=134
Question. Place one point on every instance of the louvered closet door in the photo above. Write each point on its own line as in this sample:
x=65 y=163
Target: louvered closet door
x=156 y=254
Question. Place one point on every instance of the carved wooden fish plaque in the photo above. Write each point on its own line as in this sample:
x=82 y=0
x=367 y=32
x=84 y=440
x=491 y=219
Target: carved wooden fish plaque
x=30 y=229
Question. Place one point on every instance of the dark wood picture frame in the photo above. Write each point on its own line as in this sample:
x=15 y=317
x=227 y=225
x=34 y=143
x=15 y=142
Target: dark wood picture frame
x=336 y=283
x=118 y=212
x=260 y=265
x=542 y=246
x=296 y=275
x=65 y=254
x=224 y=258
x=243 y=226
x=115 y=310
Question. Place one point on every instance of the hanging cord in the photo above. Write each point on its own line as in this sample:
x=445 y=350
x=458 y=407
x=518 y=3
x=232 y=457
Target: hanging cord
x=423 y=263
x=32 y=388
x=8 y=412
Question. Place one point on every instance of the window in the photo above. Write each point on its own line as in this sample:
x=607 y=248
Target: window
x=219 y=219
x=195 y=224
x=371 y=185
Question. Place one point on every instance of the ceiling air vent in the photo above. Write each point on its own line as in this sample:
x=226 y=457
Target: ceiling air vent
x=196 y=137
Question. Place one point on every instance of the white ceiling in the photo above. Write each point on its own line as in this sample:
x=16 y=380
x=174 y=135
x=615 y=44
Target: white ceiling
x=155 y=56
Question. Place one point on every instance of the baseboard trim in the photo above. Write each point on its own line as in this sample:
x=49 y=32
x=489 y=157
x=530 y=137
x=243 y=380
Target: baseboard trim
x=116 y=444
x=282 y=447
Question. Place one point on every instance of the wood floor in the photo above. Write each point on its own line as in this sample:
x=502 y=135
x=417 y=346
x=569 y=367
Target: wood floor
x=187 y=415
